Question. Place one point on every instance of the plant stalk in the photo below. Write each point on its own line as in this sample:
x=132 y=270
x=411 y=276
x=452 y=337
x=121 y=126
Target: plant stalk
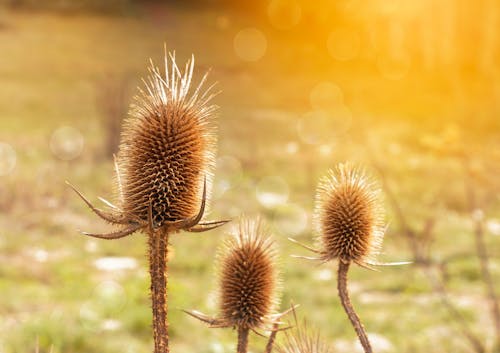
x=272 y=338
x=349 y=309
x=158 y=250
x=242 y=340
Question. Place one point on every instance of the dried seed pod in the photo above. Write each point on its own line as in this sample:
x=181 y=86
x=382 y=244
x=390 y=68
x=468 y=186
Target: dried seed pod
x=349 y=216
x=248 y=278
x=167 y=147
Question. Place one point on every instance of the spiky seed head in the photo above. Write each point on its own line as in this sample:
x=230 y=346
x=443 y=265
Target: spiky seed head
x=167 y=146
x=349 y=215
x=248 y=277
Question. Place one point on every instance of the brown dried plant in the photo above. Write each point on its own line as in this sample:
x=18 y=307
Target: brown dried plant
x=248 y=283
x=164 y=168
x=349 y=220
x=350 y=223
x=349 y=217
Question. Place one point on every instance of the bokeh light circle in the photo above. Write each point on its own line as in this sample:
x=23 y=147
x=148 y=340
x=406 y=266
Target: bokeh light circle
x=272 y=191
x=66 y=143
x=325 y=96
x=115 y=263
x=323 y=274
x=292 y=147
x=325 y=150
x=321 y=126
x=493 y=226
x=250 y=44
x=284 y=14
x=228 y=174
x=344 y=44
x=290 y=219
x=7 y=159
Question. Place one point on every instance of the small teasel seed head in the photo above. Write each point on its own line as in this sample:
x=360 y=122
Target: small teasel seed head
x=248 y=278
x=348 y=215
x=167 y=146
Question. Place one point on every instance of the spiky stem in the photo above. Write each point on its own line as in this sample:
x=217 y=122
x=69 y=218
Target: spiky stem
x=349 y=309
x=158 y=249
x=242 y=340
x=272 y=338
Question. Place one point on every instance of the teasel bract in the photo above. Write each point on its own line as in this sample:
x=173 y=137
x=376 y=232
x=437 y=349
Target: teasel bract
x=349 y=222
x=248 y=283
x=163 y=172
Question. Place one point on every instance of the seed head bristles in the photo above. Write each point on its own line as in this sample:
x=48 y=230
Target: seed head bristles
x=248 y=283
x=348 y=216
x=168 y=146
x=166 y=157
x=248 y=277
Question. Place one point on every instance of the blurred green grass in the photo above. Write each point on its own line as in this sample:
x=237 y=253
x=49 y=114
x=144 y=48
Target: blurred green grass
x=51 y=289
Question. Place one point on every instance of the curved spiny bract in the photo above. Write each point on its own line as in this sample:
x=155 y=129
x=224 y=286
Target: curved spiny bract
x=248 y=278
x=167 y=147
x=348 y=216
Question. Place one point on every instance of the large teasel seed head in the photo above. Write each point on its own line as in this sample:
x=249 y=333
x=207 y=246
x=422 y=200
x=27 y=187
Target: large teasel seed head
x=248 y=277
x=167 y=146
x=349 y=216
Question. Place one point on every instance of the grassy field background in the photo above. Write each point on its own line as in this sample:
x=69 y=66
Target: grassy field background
x=73 y=294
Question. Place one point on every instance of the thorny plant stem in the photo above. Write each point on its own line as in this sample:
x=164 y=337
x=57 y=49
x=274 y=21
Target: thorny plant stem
x=349 y=309
x=272 y=338
x=158 y=249
x=242 y=340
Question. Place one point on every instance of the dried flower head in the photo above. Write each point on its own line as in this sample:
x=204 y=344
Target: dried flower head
x=349 y=216
x=248 y=277
x=168 y=146
x=167 y=156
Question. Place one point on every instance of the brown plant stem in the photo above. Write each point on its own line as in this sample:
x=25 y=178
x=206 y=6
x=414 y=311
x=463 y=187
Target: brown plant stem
x=242 y=340
x=272 y=338
x=349 y=309
x=158 y=249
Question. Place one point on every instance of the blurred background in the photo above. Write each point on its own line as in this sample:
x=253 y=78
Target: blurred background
x=408 y=89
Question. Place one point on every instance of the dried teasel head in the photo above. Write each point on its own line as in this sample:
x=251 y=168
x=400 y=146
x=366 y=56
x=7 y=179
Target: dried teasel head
x=248 y=277
x=349 y=216
x=166 y=158
x=167 y=148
